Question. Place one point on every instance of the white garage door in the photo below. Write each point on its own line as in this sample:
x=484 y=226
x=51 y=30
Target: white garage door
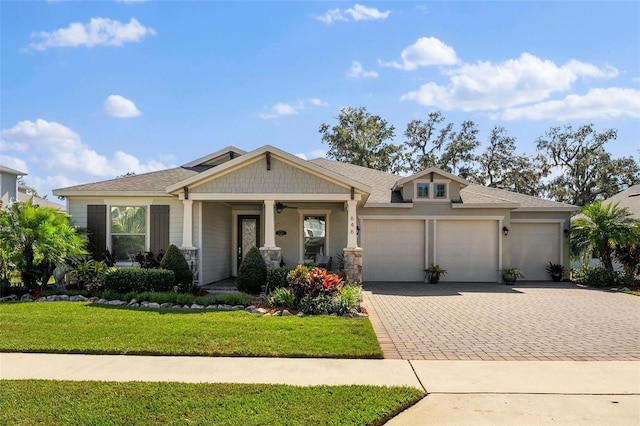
x=533 y=246
x=393 y=250
x=468 y=249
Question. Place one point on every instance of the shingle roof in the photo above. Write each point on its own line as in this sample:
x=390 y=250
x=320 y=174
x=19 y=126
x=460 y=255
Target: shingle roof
x=146 y=182
x=478 y=194
x=380 y=182
x=629 y=198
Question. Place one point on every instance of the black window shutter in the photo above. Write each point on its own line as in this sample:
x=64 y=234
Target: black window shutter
x=159 y=228
x=97 y=227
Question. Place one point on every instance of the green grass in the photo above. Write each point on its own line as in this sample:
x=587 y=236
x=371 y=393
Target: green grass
x=633 y=292
x=75 y=327
x=47 y=402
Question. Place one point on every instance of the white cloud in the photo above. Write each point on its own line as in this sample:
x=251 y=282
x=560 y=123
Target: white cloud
x=118 y=106
x=280 y=109
x=356 y=71
x=58 y=155
x=14 y=163
x=318 y=102
x=485 y=86
x=97 y=32
x=316 y=153
x=607 y=103
x=355 y=13
x=426 y=51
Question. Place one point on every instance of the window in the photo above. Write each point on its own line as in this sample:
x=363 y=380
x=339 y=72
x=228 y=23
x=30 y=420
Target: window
x=422 y=190
x=128 y=231
x=314 y=236
x=440 y=190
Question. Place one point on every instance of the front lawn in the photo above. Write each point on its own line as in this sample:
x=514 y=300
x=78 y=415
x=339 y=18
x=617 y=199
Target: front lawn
x=47 y=402
x=76 y=327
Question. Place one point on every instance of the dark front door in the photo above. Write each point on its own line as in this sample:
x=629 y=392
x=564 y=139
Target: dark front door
x=248 y=234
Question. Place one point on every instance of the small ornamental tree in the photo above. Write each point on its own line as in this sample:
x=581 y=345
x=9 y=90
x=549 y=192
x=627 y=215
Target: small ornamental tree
x=174 y=260
x=252 y=273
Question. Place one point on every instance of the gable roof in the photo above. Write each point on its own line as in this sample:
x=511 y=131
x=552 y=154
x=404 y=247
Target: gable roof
x=478 y=195
x=253 y=155
x=430 y=170
x=217 y=158
x=629 y=198
x=10 y=171
x=153 y=183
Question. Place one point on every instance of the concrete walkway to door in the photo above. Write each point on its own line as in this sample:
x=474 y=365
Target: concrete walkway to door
x=485 y=321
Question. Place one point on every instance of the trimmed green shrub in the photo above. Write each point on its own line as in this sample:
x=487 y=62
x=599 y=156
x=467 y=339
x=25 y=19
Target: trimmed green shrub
x=174 y=260
x=348 y=298
x=602 y=277
x=277 y=277
x=124 y=280
x=252 y=273
x=319 y=305
x=281 y=297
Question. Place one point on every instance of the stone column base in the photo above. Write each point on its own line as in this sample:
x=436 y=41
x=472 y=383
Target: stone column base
x=272 y=256
x=353 y=264
x=191 y=256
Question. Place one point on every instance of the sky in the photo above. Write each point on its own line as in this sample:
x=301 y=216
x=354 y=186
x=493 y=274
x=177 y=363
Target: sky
x=96 y=89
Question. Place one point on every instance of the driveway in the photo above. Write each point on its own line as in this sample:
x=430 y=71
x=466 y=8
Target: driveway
x=484 y=321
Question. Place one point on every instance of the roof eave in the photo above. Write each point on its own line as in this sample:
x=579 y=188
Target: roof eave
x=548 y=209
x=88 y=193
x=485 y=206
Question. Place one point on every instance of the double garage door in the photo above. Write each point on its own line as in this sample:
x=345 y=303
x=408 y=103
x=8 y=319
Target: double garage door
x=395 y=250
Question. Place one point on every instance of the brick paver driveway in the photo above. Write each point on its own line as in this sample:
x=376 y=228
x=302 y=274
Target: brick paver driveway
x=481 y=321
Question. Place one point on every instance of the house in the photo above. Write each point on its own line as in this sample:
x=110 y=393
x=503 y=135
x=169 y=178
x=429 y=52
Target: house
x=387 y=227
x=12 y=190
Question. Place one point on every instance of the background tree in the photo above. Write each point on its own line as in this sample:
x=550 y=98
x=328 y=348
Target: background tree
x=361 y=138
x=35 y=239
x=599 y=227
x=459 y=155
x=586 y=172
x=424 y=139
x=499 y=166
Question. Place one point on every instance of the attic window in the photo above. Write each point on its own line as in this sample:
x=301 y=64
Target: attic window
x=440 y=190
x=431 y=191
x=422 y=190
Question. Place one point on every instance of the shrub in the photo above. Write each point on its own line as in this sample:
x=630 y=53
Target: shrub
x=319 y=305
x=348 y=298
x=277 y=277
x=252 y=273
x=174 y=260
x=281 y=296
x=602 y=277
x=124 y=280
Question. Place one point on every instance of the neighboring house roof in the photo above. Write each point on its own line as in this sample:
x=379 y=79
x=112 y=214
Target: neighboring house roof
x=23 y=196
x=629 y=198
x=10 y=171
x=153 y=183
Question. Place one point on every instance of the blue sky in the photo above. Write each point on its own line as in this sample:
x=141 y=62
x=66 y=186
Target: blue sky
x=92 y=90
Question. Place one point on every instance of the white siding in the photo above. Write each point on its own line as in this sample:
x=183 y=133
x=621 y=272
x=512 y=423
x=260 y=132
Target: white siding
x=216 y=242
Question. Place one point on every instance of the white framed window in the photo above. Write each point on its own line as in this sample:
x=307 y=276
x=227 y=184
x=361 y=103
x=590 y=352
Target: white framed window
x=431 y=190
x=422 y=190
x=128 y=225
x=315 y=234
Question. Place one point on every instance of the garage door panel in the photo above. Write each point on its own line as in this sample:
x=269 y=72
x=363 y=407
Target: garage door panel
x=393 y=250
x=468 y=249
x=533 y=246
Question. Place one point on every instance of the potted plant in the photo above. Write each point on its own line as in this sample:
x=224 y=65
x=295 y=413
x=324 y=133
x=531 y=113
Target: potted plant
x=511 y=275
x=434 y=272
x=556 y=271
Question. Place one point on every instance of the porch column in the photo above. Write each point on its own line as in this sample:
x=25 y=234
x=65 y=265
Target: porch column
x=269 y=224
x=352 y=228
x=271 y=254
x=187 y=223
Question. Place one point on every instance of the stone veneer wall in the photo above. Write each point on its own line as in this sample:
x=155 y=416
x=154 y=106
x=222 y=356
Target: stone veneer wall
x=353 y=264
x=272 y=256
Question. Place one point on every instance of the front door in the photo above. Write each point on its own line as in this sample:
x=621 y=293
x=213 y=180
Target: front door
x=248 y=235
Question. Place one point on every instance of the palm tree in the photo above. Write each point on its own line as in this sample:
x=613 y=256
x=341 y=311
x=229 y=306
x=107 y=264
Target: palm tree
x=598 y=228
x=34 y=239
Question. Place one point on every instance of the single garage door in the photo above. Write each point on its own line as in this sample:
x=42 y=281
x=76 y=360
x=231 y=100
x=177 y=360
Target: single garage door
x=533 y=246
x=393 y=250
x=468 y=249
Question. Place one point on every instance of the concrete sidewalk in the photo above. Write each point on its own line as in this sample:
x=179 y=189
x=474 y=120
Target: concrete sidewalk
x=460 y=392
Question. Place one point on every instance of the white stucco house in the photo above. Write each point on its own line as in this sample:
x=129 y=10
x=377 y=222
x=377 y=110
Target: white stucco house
x=388 y=227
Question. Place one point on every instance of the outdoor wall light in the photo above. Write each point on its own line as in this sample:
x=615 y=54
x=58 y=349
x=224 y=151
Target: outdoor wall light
x=505 y=231
x=279 y=207
x=566 y=233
